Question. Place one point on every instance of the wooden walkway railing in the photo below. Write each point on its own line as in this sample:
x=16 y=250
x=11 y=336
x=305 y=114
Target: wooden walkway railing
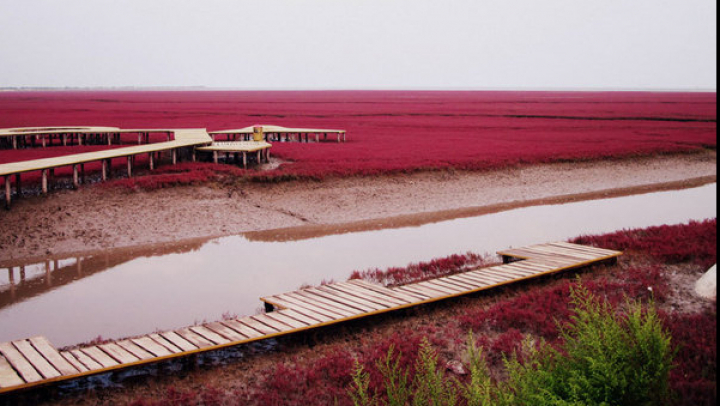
x=34 y=361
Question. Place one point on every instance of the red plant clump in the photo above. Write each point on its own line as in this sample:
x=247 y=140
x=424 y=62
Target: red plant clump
x=422 y=270
x=404 y=131
x=174 y=175
x=694 y=242
x=694 y=379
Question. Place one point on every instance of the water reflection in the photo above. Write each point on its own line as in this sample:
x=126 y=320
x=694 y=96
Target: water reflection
x=70 y=300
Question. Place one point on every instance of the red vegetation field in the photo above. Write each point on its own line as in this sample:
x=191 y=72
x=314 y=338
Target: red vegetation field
x=500 y=322
x=404 y=131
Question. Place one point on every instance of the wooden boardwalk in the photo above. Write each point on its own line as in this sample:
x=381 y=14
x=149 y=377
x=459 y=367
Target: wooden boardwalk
x=276 y=133
x=34 y=361
x=260 y=148
x=183 y=138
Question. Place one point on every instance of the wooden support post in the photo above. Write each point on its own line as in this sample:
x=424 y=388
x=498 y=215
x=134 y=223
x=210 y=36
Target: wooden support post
x=79 y=263
x=48 y=275
x=8 y=192
x=215 y=156
x=139 y=138
x=64 y=140
x=14 y=141
x=11 y=275
x=45 y=181
x=258 y=156
x=244 y=159
x=194 y=155
x=22 y=273
x=317 y=137
x=76 y=180
x=80 y=139
x=129 y=165
x=104 y=165
x=18 y=186
x=174 y=156
x=151 y=157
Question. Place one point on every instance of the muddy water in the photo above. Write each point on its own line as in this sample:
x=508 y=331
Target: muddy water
x=128 y=292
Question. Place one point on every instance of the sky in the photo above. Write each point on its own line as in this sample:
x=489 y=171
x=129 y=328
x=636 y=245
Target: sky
x=360 y=44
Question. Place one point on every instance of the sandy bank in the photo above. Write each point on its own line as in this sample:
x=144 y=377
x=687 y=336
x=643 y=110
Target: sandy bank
x=95 y=218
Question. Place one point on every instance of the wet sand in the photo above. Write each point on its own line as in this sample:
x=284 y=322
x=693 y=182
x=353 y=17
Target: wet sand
x=97 y=218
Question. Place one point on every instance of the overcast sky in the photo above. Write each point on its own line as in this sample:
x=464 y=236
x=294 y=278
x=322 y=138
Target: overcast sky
x=354 y=44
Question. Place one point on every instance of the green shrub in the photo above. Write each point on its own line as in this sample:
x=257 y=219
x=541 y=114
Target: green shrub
x=607 y=358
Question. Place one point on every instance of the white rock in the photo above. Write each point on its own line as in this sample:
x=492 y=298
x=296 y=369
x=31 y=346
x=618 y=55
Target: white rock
x=706 y=286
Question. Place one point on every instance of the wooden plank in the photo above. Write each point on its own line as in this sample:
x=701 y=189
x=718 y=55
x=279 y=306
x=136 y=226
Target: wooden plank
x=281 y=317
x=462 y=278
x=289 y=303
x=135 y=350
x=488 y=274
x=531 y=265
x=485 y=282
x=303 y=317
x=591 y=249
x=304 y=303
x=502 y=277
x=414 y=288
x=118 y=353
x=195 y=339
x=8 y=376
x=387 y=294
x=242 y=329
x=226 y=331
x=577 y=248
x=151 y=346
x=99 y=356
x=561 y=252
x=308 y=317
x=210 y=335
x=36 y=359
x=491 y=280
x=320 y=301
x=441 y=287
x=74 y=361
x=43 y=346
x=355 y=293
x=381 y=289
x=512 y=272
x=344 y=297
x=364 y=292
x=454 y=283
x=256 y=325
x=172 y=342
x=546 y=258
x=90 y=363
x=269 y=321
x=360 y=308
x=588 y=256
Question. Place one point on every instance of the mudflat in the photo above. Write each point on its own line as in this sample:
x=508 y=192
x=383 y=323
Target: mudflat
x=96 y=218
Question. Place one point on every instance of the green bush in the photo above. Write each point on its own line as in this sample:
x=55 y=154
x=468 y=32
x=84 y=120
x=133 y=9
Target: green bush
x=608 y=358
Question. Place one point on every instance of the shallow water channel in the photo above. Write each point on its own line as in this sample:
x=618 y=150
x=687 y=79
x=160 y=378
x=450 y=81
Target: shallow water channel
x=127 y=292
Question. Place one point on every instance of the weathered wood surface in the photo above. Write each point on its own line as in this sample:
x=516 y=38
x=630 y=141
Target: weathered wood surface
x=26 y=363
x=183 y=138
